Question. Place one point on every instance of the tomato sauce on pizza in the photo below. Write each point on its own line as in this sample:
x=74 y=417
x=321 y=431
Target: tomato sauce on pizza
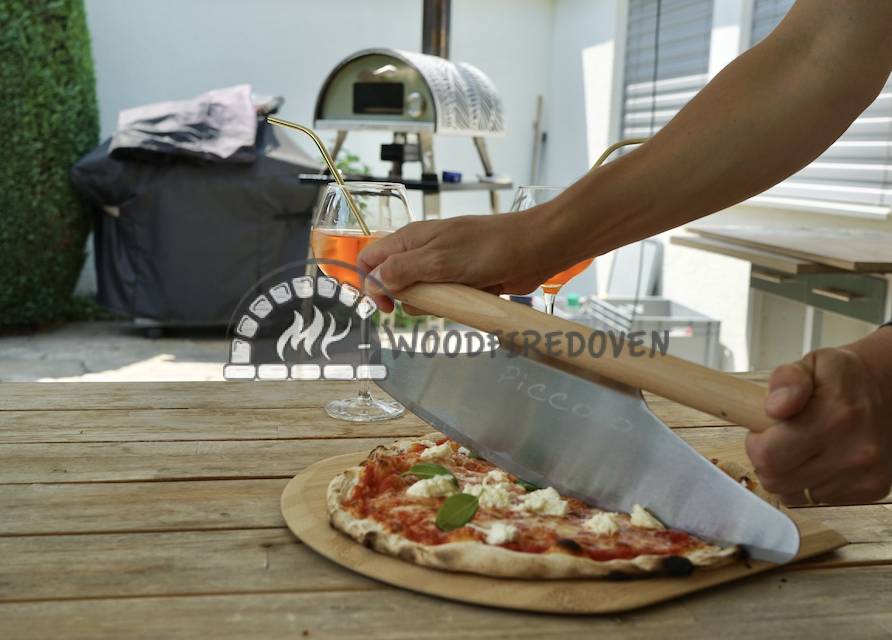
x=509 y=514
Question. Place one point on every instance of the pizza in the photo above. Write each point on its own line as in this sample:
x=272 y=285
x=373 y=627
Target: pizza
x=434 y=503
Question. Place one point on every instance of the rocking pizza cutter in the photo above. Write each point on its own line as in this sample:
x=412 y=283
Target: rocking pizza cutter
x=575 y=420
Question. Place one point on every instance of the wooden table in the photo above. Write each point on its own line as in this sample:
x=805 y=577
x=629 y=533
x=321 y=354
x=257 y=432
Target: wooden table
x=151 y=510
x=797 y=276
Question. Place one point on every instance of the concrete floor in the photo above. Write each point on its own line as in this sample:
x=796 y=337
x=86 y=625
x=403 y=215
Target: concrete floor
x=93 y=351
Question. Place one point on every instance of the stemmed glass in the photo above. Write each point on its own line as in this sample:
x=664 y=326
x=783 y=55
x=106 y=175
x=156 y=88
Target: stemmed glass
x=530 y=196
x=337 y=234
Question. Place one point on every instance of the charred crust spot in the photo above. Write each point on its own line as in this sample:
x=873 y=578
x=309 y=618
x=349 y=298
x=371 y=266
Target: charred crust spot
x=378 y=452
x=678 y=566
x=369 y=539
x=447 y=555
x=744 y=555
x=618 y=576
x=569 y=545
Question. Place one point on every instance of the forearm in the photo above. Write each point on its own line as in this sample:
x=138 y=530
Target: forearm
x=765 y=116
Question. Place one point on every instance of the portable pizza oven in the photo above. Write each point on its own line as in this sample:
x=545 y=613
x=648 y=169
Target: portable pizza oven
x=416 y=95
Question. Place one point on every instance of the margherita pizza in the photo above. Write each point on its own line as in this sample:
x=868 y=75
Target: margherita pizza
x=432 y=502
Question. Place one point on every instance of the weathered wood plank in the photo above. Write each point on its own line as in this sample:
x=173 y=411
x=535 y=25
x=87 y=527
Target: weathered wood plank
x=128 y=461
x=860 y=523
x=218 y=396
x=718 y=442
x=231 y=561
x=158 y=425
x=132 y=461
x=825 y=603
x=859 y=554
x=679 y=416
x=138 y=564
x=31 y=509
x=54 y=396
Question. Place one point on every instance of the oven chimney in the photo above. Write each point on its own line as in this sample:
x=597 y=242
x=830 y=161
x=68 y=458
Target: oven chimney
x=435 y=27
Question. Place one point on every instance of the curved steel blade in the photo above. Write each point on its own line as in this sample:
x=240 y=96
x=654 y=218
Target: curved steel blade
x=596 y=441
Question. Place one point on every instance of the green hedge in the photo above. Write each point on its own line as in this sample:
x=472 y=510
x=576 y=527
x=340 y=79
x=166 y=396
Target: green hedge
x=48 y=119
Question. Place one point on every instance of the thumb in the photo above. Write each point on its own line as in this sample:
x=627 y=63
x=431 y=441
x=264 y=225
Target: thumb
x=789 y=389
x=401 y=270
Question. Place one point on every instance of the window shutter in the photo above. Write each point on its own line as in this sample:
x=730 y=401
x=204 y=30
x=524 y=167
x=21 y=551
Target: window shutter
x=854 y=176
x=666 y=61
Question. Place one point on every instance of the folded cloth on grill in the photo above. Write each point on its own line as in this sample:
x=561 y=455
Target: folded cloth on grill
x=217 y=126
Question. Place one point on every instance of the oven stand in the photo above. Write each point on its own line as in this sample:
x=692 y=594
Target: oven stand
x=480 y=144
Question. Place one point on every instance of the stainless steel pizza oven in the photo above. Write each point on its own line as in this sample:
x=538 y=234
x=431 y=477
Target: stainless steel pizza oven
x=409 y=92
x=416 y=95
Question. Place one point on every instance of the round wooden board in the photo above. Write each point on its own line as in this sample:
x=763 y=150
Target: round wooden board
x=304 y=508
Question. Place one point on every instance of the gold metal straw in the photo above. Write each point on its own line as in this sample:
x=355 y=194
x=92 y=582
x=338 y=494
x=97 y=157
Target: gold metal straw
x=614 y=147
x=326 y=156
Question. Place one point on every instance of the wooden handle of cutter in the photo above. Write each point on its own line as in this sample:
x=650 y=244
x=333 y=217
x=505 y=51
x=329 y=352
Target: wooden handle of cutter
x=719 y=394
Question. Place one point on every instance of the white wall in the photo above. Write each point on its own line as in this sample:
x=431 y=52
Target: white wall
x=578 y=24
x=152 y=50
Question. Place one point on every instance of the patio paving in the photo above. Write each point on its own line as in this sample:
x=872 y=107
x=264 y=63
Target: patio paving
x=101 y=351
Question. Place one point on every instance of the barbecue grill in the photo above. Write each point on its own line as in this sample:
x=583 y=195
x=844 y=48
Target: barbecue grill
x=416 y=96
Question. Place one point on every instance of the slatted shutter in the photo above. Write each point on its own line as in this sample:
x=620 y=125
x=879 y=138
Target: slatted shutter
x=854 y=175
x=666 y=61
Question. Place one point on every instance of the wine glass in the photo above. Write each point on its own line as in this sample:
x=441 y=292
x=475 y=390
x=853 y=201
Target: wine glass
x=530 y=196
x=337 y=234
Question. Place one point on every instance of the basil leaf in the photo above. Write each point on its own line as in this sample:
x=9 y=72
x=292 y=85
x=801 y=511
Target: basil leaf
x=527 y=486
x=427 y=470
x=456 y=511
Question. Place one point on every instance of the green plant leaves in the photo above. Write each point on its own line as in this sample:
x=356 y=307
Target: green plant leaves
x=50 y=120
x=527 y=486
x=456 y=511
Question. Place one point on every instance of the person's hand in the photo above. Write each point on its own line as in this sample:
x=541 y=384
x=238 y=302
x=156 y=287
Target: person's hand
x=499 y=253
x=834 y=437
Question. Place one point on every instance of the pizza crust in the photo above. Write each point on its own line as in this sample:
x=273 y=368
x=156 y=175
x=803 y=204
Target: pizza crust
x=491 y=560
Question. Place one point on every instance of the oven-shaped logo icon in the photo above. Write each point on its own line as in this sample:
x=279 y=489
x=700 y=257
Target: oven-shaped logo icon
x=304 y=328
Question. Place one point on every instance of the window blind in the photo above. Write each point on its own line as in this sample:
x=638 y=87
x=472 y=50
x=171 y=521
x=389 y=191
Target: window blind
x=854 y=175
x=666 y=61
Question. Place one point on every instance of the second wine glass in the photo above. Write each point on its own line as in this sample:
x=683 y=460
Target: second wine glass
x=531 y=196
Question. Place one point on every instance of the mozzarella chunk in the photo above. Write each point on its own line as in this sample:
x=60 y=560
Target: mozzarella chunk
x=435 y=487
x=436 y=452
x=500 y=533
x=496 y=476
x=604 y=523
x=491 y=496
x=641 y=517
x=464 y=451
x=545 y=502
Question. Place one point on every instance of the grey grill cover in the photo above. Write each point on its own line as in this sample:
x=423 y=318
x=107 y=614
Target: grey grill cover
x=190 y=240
